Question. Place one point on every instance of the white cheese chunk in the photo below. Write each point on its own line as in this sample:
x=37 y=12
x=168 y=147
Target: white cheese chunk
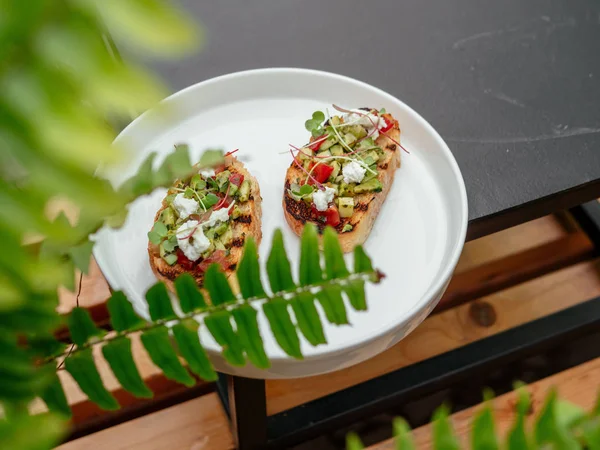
x=185 y=206
x=192 y=246
x=220 y=215
x=321 y=199
x=353 y=172
x=207 y=173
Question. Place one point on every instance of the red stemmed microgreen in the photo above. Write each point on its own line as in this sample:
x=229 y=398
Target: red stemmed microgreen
x=299 y=164
x=222 y=201
x=231 y=152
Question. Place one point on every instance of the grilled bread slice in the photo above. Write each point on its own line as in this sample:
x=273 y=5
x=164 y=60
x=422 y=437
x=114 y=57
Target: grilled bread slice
x=238 y=194
x=355 y=204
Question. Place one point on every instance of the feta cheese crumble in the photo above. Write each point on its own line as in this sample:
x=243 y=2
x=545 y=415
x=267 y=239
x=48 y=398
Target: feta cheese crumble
x=184 y=206
x=192 y=246
x=321 y=199
x=207 y=173
x=353 y=172
x=220 y=215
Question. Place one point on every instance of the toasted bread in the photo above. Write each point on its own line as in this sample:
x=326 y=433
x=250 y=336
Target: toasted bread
x=367 y=205
x=247 y=223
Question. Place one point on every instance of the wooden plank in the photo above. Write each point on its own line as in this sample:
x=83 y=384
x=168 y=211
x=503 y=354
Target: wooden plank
x=87 y=415
x=199 y=424
x=578 y=385
x=517 y=268
x=449 y=330
x=510 y=241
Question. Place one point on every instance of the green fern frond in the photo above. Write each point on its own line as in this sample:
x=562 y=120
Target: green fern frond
x=289 y=308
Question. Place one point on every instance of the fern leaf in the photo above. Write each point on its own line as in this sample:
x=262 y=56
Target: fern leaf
x=82 y=327
x=443 y=434
x=310 y=262
x=330 y=298
x=591 y=434
x=403 y=439
x=248 y=271
x=483 y=431
x=517 y=437
x=249 y=335
x=278 y=266
x=282 y=327
x=308 y=318
x=548 y=429
x=55 y=399
x=39 y=432
x=335 y=266
x=83 y=369
x=120 y=358
x=122 y=316
x=217 y=286
x=190 y=297
x=81 y=254
x=158 y=345
x=219 y=325
x=188 y=343
x=353 y=442
x=362 y=263
x=355 y=290
x=159 y=303
x=176 y=165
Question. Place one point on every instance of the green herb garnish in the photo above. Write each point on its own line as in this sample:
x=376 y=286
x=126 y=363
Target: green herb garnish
x=210 y=200
x=347 y=228
x=158 y=232
x=382 y=111
x=314 y=125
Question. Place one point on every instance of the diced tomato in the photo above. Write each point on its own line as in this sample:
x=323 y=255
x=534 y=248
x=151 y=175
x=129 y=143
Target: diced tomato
x=321 y=172
x=183 y=260
x=332 y=216
x=317 y=146
x=218 y=257
x=388 y=125
x=236 y=178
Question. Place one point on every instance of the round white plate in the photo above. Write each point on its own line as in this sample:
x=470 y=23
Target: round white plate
x=416 y=240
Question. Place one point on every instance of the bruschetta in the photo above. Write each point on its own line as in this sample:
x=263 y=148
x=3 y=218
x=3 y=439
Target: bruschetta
x=205 y=219
x=342 y=176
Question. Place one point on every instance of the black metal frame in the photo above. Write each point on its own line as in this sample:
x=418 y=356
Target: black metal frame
x=245 y=401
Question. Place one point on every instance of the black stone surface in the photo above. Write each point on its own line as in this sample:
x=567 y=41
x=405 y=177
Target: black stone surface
x=513 y=86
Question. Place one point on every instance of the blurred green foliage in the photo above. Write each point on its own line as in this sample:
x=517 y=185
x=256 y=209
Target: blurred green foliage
x=60 y=82
x=557 y=425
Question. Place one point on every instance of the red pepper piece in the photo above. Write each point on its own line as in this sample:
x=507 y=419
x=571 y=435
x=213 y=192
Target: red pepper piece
x=321 y=172
x=236 y=178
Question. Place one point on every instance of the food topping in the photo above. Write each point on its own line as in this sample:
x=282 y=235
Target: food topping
x=191 y=240
x=353 y=172
x=207 y=173
x=194 y=228
x=341 y=160
x=321 y=199
x=184 y=206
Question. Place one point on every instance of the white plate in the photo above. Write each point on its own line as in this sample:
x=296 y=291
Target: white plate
x=416 y=240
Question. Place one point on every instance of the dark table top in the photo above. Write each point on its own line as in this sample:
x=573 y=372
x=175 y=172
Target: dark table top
x=513 y=86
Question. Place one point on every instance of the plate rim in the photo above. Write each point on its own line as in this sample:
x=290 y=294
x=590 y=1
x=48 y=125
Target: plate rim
x=438 y=285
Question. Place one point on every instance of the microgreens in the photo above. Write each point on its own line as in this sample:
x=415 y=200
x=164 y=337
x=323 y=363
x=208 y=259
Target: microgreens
x=314 y=125
x=298 y=192
x=210 y=200
x=382 y=111
x=158 y=232
x=301 y=167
